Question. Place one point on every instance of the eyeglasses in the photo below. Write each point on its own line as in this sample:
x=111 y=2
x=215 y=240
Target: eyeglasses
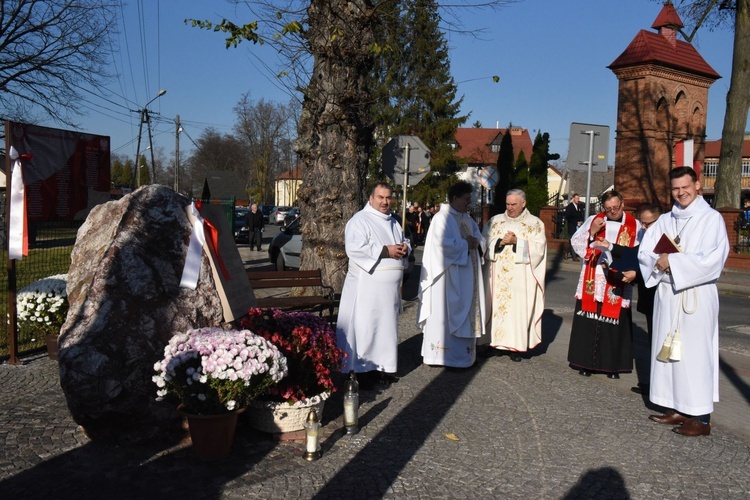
x=645 y=224
x=613 y=209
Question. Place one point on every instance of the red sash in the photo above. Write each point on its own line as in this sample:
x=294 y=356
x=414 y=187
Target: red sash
x=612 y=302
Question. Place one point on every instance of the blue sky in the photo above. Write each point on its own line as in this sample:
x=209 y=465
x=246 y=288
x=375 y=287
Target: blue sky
x=551 y=57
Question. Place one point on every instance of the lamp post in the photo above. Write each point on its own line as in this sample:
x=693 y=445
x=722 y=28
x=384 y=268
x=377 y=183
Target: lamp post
x=145 y=118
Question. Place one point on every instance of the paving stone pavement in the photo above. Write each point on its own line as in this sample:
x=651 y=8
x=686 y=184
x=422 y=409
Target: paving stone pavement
x=534 y=429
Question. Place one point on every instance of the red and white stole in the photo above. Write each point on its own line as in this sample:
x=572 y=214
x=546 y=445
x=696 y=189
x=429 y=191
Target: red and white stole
x=612 y=302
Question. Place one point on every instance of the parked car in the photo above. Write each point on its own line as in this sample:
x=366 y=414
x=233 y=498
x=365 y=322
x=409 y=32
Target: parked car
x=241 y=232
x=292 y=214
x=286 y=247
x=277 y=217
x=267 y=210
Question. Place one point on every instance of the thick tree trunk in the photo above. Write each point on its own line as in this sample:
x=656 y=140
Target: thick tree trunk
x=729 y=176
x=335 y=131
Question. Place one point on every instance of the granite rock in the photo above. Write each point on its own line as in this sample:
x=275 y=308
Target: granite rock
x=125 y=305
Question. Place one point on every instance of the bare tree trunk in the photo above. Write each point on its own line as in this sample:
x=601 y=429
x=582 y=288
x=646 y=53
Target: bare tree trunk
x=335 y=131
x=729 y=176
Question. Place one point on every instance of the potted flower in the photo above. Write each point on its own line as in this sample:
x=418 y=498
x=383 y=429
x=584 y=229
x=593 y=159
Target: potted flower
x=214 y=373
x=42 y=307
x=309 y=344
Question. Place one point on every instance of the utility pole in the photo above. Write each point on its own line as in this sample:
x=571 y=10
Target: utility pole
x=177 y=130
x=145 y=118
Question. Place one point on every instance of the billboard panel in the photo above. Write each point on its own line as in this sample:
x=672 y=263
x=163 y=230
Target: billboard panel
x=68 y=173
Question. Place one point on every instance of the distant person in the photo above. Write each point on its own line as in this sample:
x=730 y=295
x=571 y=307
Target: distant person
x=601 y=334
x=411 y=221
x=255 y=226
x=685 y=375
x=573 y=219
x=367 y=326
x=514 y=277
x=451 y=292
x=626 y=262
x=746 y=212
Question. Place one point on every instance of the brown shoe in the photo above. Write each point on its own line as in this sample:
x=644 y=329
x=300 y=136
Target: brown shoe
x=669 y=418
x=693 y=427
x=576 y=259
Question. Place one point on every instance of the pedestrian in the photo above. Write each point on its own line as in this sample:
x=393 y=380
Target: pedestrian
x=254 y=222
x=685 y=368
x=451 y=291
x=601 y=334
x=367 y=326
x=421 y=222
x=573 y=220
x=411 y=221
x=626 y=263
x=516 y=264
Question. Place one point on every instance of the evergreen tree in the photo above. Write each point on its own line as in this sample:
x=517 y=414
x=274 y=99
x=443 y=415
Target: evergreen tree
x=505 y=171
x=520 y=178
x=536 y=191
x=421 y=93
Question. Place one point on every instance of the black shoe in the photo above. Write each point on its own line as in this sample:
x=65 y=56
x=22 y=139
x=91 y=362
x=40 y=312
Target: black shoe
x=585 y=373
x=641 y=389
x=613 y=376
x=386 y=378
x=514 y=356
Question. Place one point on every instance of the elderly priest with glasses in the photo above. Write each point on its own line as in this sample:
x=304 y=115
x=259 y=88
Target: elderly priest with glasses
x=601 y=335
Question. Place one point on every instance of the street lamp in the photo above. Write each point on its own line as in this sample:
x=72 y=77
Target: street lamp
x=145 y=118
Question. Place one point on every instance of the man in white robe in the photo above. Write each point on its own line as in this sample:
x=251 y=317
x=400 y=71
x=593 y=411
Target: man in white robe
x=367 y=325
x=451 y=292
x=516 y=264
x=685 y=379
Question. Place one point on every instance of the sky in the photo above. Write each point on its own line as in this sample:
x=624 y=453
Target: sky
x=551 y=57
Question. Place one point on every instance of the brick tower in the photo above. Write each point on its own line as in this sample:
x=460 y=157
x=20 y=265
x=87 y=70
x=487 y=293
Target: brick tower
x=662 y=99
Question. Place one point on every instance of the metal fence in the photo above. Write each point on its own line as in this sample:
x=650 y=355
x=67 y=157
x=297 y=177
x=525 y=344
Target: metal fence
x=50 y=245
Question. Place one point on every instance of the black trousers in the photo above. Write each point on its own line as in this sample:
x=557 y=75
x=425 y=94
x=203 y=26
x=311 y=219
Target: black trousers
x=255 y=235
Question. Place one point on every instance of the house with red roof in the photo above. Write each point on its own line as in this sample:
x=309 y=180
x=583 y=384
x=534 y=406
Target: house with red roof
x=286 y=186
x=478 y=148
x=711 y=166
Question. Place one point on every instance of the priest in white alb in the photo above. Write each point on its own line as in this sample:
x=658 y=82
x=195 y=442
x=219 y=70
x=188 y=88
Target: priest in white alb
x=451 y=292
x=367 y=325
x=515 y=266
x=685 y=347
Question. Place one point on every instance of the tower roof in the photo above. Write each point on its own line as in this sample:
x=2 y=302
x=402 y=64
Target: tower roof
x=663 y=48
x=668 y=17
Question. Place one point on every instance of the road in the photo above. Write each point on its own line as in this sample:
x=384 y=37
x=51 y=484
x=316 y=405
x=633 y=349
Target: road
x=562 y=278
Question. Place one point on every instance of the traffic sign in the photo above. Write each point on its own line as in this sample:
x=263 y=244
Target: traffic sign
x=488 y=177
x=395 y=159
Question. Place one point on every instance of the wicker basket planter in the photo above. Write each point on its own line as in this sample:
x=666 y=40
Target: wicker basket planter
x=273 y=417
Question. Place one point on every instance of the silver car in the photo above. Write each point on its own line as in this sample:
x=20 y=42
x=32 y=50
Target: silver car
x=277 y=217
x=286 y=247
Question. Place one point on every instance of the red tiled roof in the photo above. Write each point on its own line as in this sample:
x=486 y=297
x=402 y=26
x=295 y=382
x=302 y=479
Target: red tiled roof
x=295 y=173
x=653 y=48
x=668 y=17
x=713 y=149
x=475 y=144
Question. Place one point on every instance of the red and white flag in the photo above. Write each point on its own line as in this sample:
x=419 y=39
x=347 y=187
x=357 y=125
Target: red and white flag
x=18 y=234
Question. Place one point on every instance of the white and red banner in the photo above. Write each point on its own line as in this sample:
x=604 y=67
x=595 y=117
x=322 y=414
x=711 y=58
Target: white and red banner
x=18 y=234
x=683 y=155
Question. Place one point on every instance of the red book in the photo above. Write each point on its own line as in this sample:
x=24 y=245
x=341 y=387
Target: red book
x=666 y=245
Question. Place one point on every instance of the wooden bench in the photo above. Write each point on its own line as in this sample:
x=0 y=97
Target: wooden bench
x=287 y=280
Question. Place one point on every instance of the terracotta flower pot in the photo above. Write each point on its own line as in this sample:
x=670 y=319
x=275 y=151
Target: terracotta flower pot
x=51 y=340
x=212 y=435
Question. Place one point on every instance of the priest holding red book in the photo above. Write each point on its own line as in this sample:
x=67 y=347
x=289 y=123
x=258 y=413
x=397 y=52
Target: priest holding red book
x=685 y=348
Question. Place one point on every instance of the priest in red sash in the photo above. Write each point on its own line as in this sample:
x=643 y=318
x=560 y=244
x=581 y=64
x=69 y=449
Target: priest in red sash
x=601 y=336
